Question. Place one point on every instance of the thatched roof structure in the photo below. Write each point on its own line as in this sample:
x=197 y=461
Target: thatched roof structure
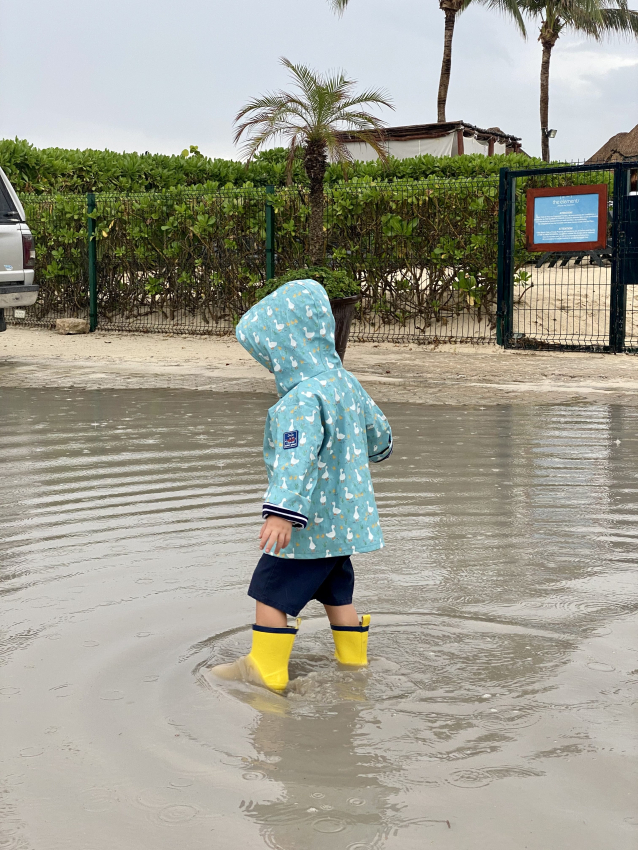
x=620 y=147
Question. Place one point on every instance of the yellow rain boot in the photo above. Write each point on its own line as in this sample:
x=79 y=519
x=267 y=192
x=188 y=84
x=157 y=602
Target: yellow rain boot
x=267 y=662
x=351 y=643
x=270 y=654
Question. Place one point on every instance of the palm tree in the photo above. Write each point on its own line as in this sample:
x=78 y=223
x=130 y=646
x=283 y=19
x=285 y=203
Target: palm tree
x=312 y=118
x=595 y=18
x=452 y=8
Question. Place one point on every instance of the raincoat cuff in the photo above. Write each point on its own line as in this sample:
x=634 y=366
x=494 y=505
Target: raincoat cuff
x=298 y=520
x=382 y=455
x=287 y=504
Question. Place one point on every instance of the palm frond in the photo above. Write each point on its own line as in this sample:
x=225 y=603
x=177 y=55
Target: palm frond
x=619 y=21
x=595 y=18
x=510 y=8
x=374 y=97
x=320 y=107
x=338 y=6
x=306 y=79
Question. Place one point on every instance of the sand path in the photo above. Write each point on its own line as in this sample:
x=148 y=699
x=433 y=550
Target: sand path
x=451 y=374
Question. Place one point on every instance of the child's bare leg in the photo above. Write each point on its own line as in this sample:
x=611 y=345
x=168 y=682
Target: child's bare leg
x=270 y=617
x=342 y=615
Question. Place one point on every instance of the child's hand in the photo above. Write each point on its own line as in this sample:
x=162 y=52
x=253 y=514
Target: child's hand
x=275 y=534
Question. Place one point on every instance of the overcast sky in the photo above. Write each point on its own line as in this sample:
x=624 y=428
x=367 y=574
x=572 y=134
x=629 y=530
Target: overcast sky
x=137 y=75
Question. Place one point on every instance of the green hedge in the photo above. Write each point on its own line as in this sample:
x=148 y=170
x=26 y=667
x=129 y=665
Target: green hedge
x=420 y=250
x=57 y=170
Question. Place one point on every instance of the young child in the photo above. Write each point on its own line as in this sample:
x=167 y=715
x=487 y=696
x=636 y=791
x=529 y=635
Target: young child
x=319 y=508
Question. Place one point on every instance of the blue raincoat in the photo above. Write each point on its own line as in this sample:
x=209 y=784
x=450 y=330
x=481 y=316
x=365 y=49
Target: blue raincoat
x=322 y=433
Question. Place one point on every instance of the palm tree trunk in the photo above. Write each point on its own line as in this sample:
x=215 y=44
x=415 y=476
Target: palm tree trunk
x=446 y=63
x=547 y=55
x=315 y=163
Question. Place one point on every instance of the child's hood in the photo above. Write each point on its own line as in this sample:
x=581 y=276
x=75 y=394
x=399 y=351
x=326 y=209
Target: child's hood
x=292 y=333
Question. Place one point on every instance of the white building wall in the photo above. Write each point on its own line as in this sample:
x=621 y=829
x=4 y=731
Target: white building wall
x=443 y=146
x=472 y=145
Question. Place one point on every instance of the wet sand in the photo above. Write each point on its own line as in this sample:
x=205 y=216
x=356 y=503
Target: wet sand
x=499 y=707
x=451 y=374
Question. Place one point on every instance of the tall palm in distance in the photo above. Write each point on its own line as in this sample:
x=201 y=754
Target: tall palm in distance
x=312 y=117
x=595 y=18
x=452 y=8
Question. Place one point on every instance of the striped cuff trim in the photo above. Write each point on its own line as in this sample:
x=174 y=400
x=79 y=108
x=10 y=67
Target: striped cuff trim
x=298 y=520
x=350 y=628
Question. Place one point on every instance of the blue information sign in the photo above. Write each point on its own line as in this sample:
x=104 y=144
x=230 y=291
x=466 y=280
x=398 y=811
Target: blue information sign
x=566 y=218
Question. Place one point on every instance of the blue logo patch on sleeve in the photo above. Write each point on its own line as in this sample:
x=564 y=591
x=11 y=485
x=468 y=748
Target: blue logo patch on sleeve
x=291 y=439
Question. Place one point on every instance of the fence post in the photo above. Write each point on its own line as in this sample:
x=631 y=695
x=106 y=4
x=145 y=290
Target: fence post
x=618 y=290
x=270 y=235
x=90 y=228
x=505 y=252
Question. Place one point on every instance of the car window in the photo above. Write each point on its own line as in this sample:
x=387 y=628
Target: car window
x=7 y=207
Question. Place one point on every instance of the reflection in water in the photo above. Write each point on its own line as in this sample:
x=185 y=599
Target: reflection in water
x=334 y=738
x=503 y=669
x=328 y=787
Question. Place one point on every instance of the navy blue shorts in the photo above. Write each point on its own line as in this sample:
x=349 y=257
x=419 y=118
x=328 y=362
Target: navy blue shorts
x=288 y=584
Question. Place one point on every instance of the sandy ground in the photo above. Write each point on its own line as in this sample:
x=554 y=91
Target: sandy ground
x=570 y=304
x=451 y=374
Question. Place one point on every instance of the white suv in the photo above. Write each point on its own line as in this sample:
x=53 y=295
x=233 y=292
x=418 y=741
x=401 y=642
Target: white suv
x=17 y=253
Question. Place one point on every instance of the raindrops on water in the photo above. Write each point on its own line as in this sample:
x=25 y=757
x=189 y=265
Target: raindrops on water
x=479 y=777
x=329 y=825
x=98 y=799
x=470 y=778
x=112 y=696
x=31 y=752
x=181 y=782
x=177 y=814
x=509 y=716
x=253 y=775
x=601 y=666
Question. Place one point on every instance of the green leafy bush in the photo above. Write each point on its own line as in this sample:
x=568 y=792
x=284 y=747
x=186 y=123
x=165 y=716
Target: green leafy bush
x=62 y=171
x=337 y=283
x=418 y=252
x=422 y=252
x=163 y=258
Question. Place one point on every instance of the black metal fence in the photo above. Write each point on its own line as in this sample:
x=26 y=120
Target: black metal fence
x=428 y=255
x=59 y=228
x=424 y=252
x=570 y=298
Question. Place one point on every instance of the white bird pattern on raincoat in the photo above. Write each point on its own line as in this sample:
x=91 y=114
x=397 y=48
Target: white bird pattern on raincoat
x=308 y=435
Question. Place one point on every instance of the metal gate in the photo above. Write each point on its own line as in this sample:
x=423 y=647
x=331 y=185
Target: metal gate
x=567 y=273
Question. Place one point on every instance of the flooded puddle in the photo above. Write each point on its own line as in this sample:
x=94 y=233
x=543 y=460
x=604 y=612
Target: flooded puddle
x=499 y=707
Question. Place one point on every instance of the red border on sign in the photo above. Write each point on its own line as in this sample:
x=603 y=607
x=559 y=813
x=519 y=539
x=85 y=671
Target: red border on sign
x=599 y=189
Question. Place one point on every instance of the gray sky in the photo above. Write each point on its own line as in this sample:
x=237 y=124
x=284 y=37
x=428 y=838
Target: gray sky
x=159 y=76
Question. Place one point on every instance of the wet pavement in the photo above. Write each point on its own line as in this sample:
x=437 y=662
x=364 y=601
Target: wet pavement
x=499 y=709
